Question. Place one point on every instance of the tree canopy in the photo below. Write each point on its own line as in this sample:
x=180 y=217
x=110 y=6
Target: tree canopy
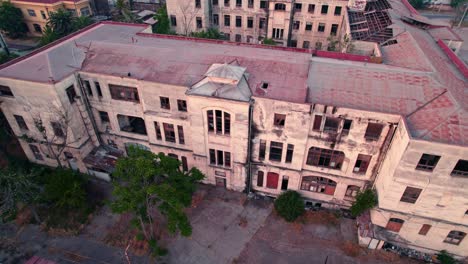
x=62 y=23
x=364 y=201
x=289 y=205
x=163 y=25
x=11 y=20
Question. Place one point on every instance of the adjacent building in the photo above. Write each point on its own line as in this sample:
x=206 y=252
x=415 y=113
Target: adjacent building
x=267 y=119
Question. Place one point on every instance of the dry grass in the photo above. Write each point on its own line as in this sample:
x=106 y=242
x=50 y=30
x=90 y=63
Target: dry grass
x=243 y=221
x=351 y=249
x=319 y=217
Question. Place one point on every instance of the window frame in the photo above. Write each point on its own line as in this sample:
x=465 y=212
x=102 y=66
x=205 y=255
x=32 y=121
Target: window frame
x=21 y=122
x=411 y=195
x=321 y=157
x=165 y=102
x=124 y=93
x=461 y=171
x=276 y=151
x=181 y=105
x=71 y=93
x=318 y=184
x=425 y=162
x=324 y=9
x=5 y=91
x=169 y=132
x=455 y=237
x=373 y=131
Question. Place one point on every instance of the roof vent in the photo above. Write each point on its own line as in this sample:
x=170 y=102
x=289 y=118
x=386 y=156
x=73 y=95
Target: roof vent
x=264 y=85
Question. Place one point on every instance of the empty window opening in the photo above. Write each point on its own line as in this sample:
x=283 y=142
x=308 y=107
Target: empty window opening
x=305 y=44
x=132 y=124
x=272 y=180
x=410 y=195
x=261 y=23
x=321 y=27
x=36 y=152
x=263 y=4
x=217 y=124
x=226 y=3
x=238 y=38
x=324 y=9
x=71 y=94
x=227 y=20
x=37 y=28
x=279 y=120
x=296 y=25
x=157 y=127
x=250 y=22
x=331 y=124
x=169 y=132
x=427 y=162
x=346 y=126
x=165 y=103
x=238 y=3
x=182 y=105
x=276 y=151
x=317 y=123
x=184 y=164
x=215 y=19
x=197 y=3
x=289 y=153
x=318 y=184
x=104 y=116
x=362 y=163
x=125 y=93
x=394 y=224
x=262 y=149
x=57 y=128
x=352 y=191
x=455 y=237
x=260 y=178
x=308 y=26
x=98 y=89
x=334 y=29
x=220 y=158
x=311 y=8
x=173 y=21
x=215 y=2
x=5 y=91
x=180 y=131
x=337 y=11
x=21 y=123
x=199 y=22
x=238 y=21
x=277 y=33
x=373 y=131
x=250 y=3
x=87 y=86
x=297 y=7
x=264 y=85
x=281 y=7
x=284 y=183
x=461 y=169
x=332 y=159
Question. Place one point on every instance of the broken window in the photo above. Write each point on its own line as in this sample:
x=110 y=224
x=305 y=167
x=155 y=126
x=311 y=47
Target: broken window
x=165 y=103
x=173 y=21
x=227 y=20
x=427 y=162
x=324 y=10
x=158 y=131
x=362 y=163
x=57 y=128
x=337 y=11
x=217 y=124
x=227 y=123
x=5 y=91
x=219 y=121
x=346 y=126
x=455 y=237
x=260 y=178
x=104 y=117
x=226 y=3
x=197 y=3
x=21 y=123
x=318 y=184
x=238 y=3
x=180 y=131
x=311 y=8
x=332 y=159
x=238 y=21
x=182 y=105
x=277 y=33
x=461 y=169
x=410 y=195
x=331 y=125
x=36 y=152
x=297 y=7
x=296 y=25
x=238 y=38
x=220 y=158
x=249 y=39
x=250 y=22
x=71 y=94
x=212 y=157
x=424 y=229
x=352 y=191
x=199 y=22
x=261 y=23
x=251 y=3
x=124 y=93
x=98 y=88
x=209 y=114
x=272 y=180
x=305 y=44
x=132 y=124
x=279 y=6
x=184 y=164
x=321 y=27
x=317 y=123
x=318 y=45
x=215 y=2
x=394 y=224
x=308 y=26
x=169 y=132
x=87 y=86
x=215 y=19
x=279 y=120
x=373 y=131
x=263 y=4
x=261 y=154
x=334 y=29
x=276 y=151
x=284 y=183
x=289 y=153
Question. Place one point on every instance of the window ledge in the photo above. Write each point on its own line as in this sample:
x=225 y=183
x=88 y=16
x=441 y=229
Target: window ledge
x=220 y=167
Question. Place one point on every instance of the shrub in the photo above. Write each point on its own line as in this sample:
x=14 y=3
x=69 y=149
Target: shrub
x=268 y=41
x=444 y=258
x=364 y=201
x=65 y=190
x=290 y=205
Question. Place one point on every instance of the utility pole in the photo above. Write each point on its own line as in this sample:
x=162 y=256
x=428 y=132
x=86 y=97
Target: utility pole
x=4 y=45
x=463 y=16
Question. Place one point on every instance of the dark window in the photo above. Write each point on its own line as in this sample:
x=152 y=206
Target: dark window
x=261 y=154
x=324 y=9
x=284 y=183
x=334 y=29
x=331 y=125
x=461 y=169
x=249 y=39
x=337 y=10
x=261 y=23
x=308 y=26
x=455 y=237
x=250 y=22
x=311 y=8
x=238 y=38
x=57 y=128
x=394 y=224
x=182 y=105
x=124 y=93
x=180 y=131
x=293 y=43
x=278 y=33
x=5 y=91
x=272 y=180
x=174 y=156
x=305 y=44
x=227 y=20
x=226 y=3
x=37 y=28
x=219 y=157
x=209 y=115
x=215 y=19
x=217 y=124
x=158 y=131
x=212 y=157
x=251 y=4
x=280 y=7
x=332 y=159
x=424 y=229
x=87 y=86
x=318 y=45
x=362 y=163
x=296 y=25
x=104 y=116
x=260 y=178
x=197 y=3
x=346 y=126
x=297 y=7
x=21 y=123
x=173 y=20
x=238 y=3
x=35 y=150
x=321 y=27
x=427 y=162
x=227 y=159
x=289 y=153
x=71 y=94
x=132 y=124
x=373 y=131
x=263 y=4
x=317 y=123
x=98 y=89
x=238 y=21
x=215 y=2
x=352 y=191
x=227 y=36
x=227 y=123
x=184 y=164
x=410 y=195
x=165 y=103
x=318 y=184
x=276 y=150
x=219 y=121
x=169 y=132
x=199 y=22
x=279 y=120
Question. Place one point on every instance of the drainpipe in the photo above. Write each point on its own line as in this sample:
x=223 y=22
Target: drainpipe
x=291 y=23
x=383 y=152
x=249 y=148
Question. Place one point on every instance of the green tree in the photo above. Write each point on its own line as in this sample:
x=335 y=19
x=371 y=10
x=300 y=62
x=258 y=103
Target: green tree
x=456 y=3
x=162 y=26
x=61 y=22
x=445 y=258
x=364 y=201
x=65 y=190
x=289 y=205
x=81 y=22
x=48 y=36
x=6 y=57
x=268 y=41
x=11 y=20
x=146 y=184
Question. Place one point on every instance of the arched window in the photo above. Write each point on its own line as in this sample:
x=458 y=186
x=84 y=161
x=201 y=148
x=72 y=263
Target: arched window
x=332 y=159
x=395 y=224
x=219 y=122
x=352 y=191
x=455 y=237
x=280 y=7
x=318 y=184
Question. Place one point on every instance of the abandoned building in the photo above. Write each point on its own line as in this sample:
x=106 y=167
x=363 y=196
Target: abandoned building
x=267 y=119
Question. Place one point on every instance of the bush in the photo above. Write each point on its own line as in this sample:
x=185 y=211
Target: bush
x=65 y=190
x=444 y=258
x=268 y=41
x=211 y=33
x=290 y=205
x=364 y=201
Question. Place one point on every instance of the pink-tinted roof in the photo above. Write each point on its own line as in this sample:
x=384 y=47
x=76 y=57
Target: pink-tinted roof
x=47 y=1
